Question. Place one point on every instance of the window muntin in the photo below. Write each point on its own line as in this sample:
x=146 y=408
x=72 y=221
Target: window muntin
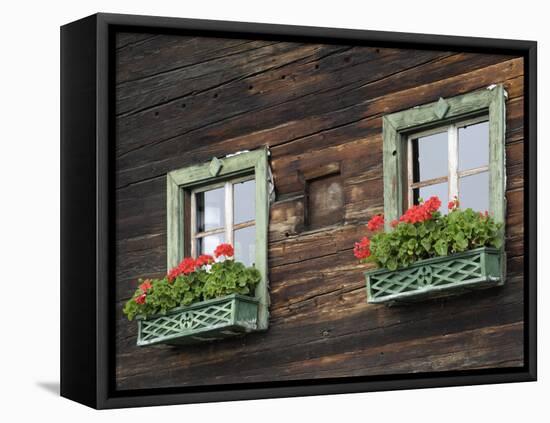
x=225 y=212
x=449 y=161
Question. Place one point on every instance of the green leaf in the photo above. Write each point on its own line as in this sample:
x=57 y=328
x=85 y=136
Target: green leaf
x=392 y=264
x=426 y=243
x=441 y=247
x=460 y=241
x=411 y=230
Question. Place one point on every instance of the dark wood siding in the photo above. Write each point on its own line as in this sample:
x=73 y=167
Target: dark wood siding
x=182 y=100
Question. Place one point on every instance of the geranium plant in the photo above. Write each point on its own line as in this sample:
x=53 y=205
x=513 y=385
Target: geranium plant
x=193 y=280
x=423 y=232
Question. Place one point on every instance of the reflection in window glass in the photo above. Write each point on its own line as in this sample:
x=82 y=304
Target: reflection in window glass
x=474 y=191
x=207 y=244
x=473 y=146
x=210 y=209
x=244 y=245
x=431 y=154
x=244 y=196
x=441 y=190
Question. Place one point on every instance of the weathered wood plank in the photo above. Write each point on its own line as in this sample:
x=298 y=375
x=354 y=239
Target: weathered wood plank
x=233 y=64
x=311 y=76
x=344 y=337
x=235 y=99
x=313 y=104
x=351 y=115
x=127 y=39
x=146 y=55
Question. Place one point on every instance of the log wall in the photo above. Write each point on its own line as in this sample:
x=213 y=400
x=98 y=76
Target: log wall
x=182 y=100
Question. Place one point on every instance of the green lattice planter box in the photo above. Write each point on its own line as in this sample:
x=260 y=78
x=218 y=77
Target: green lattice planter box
x=203 y=321
x=436 y=277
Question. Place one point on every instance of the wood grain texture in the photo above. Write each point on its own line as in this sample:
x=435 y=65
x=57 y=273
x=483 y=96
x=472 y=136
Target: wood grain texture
x=183 y=100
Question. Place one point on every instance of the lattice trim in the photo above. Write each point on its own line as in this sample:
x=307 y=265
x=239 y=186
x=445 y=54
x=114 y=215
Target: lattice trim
x=211 y=319
x=186 y=322
x=433 y=274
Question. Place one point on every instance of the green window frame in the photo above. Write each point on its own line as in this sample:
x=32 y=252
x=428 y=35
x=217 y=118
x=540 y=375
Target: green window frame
x=397 y=127
x=180 y=184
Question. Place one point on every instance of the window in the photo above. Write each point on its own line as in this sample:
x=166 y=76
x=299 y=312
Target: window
x=450 y=161
x=225 y=213
x=225 y=200
x=454 y=146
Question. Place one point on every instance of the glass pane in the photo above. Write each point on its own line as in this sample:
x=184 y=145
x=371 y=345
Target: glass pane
x=244 y=245
x=473 y=146
x=431 y=157
x=207 y=244
x=244 y=204
x=474 y=191
x=441 y=190
x=210 y=209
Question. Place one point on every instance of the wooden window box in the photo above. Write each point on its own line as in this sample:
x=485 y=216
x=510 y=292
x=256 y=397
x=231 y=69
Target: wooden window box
x=203 y=321
x=436 y=277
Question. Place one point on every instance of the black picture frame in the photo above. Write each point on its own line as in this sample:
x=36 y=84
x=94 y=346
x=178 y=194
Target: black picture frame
x=87 y=323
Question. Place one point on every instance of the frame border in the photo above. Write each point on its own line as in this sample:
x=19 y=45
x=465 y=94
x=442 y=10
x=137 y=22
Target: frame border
x=91 y=381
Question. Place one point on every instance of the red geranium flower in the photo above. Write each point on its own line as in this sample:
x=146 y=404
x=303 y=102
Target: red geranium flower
x=204 y=259
x=421 y=212
x=141 y=299
x=433 y=204
x=453 y=204
x=146 y=285
x=173 y=274
x=415 y=214
x=186 y=266
x=377 y=222
x=362 y=249
x=224 y=250
x=394 y=223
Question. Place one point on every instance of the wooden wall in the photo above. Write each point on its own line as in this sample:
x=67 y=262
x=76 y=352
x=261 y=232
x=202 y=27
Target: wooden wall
x=181 y=100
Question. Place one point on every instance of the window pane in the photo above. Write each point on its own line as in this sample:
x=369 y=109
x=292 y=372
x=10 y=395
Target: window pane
x=473 y=146
x=207 y=244
x=244 y=204
x=210 y=209
x=441 y=190
x=244 y=245
x=474 y=191
x=431 y=158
